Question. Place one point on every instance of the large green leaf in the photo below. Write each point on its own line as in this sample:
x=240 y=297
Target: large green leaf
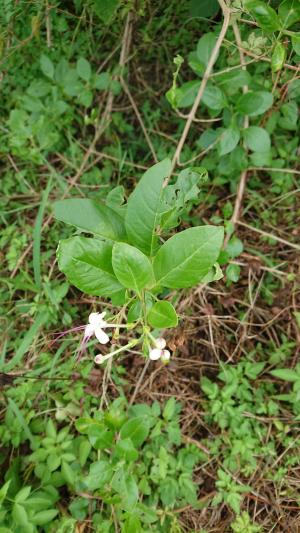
x=132 y=268
x=265 y=15
x=144 y=208
x=188 y=256
x=90 y=216
x=87 y=265
x=254 y=103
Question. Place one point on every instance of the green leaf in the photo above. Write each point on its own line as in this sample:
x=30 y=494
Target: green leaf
x=214 y=98
x=186 y=93
x=87 y=264
x=233 y=273
x=105 y=9
x=296 y=44
x=289 y=12
x=100 y=473
x=83 y=68
x=286 y=374
x=132 y=524
x=203 y=8
x=68 y=473
x=254 y=103
x=278 y=57
x=257 y=139
x=233 y=80
x=265 y=16
x=132 y=268
x=125 y=485
x=214 y=274
x=144 y=208
x=136 y=429
x=187 y=257
x=44 y=517
x=125 y=450
x=234 y=247
x=19 y=514
x=228 y=140
x=162 y=315
x=84 y=452
x=169 y=409
x=90 y=216
x=47 y=66
x=4 y=490
x=53 y=462
x=22 y=495
x=205 y=47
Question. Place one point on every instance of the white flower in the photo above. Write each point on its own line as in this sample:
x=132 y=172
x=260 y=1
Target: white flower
x=158 y=352
x=96 y=327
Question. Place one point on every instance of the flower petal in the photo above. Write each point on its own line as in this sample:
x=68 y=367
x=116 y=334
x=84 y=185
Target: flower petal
x=89 y=331
x=98 y=359
x=102 y=337
x=94 y=319
x=160 y=343
x=155 y=354
x=165 y=356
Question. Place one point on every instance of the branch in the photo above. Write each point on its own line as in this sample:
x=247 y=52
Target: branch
x=243 y=176
x=191 y=116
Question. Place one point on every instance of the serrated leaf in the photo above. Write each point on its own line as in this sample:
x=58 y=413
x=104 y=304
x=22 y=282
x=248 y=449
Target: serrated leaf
x=187 y=257
x=162 y=315
x=144 y=208
x=87 y=264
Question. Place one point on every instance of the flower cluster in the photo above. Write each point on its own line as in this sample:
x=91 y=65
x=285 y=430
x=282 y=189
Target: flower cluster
x=97 y=325
x=159 y=352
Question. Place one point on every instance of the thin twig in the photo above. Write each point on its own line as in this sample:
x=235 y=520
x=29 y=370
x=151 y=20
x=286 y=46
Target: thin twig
x=269 y=235
x=243 y=175
x=142 y=375
x=272 y=169
x=226 y=13
x=139 y=117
